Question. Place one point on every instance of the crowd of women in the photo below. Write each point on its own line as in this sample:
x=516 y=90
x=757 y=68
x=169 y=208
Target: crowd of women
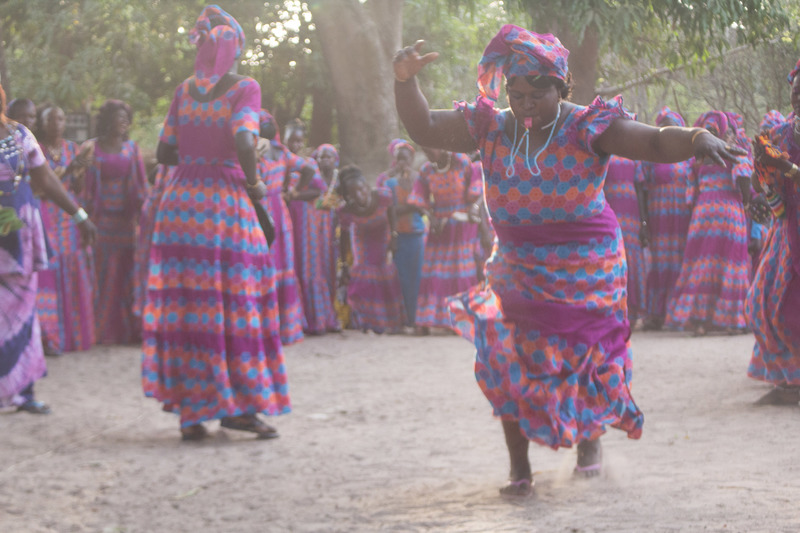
x=242 y=241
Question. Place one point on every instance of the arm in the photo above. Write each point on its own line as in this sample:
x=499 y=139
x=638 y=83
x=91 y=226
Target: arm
x=444 y=129
x=246 y=153
x=167 y=154
x=634 y=140
x=644 y=216
x=392 y=216
x=42 y=178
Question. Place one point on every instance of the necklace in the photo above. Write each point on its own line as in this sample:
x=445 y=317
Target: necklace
x=446 y=168
x=8 y=149
x=526 y=136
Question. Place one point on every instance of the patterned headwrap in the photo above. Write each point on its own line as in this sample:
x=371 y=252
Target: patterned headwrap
x=264 y=118
x=396 y=144
x=326 y=148
x=736 y=121
x=666 y=112
x=771 y=119
x=794 y=72
x=219 y=40
x=515 y=51
x=717 y=120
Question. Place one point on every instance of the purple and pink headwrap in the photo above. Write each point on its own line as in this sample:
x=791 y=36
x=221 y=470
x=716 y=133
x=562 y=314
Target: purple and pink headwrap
x=322 y=148
x=667 y=113
x=396 y=144
x=794 y=72
x=264 y=118
x=771 y=119
x=515 y=51
x=219 y=40
x=717 y=120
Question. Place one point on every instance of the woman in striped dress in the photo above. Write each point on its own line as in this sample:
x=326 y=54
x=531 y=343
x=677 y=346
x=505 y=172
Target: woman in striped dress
x=711 y=289
x=211 y=339
x=668 y=216
x=65 y=301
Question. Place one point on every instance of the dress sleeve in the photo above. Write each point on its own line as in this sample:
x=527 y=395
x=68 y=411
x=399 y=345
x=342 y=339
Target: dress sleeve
x=638 y=172
x=246 y=107
x=475 y=189
x=30 y=148
x=742 y=168
x=169 y=131
x=595 y=119
x=480 y=116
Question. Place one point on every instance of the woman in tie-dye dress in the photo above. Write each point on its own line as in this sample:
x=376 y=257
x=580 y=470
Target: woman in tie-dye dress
x=711 y=289
x=773 y=301
x=447 y=187
x=274 y=162
x=621 y=194
x=668 y=216
x=368 y=230
x=115 y=190
x=550 y=324
x=65 y=299
x=211 y=347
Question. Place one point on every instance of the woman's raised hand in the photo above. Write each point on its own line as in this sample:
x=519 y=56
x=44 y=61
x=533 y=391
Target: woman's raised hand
x=408 y=61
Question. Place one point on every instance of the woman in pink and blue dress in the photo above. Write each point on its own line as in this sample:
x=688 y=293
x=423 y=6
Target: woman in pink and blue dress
x=115 y=189
x=550 y=324
x=211 y=328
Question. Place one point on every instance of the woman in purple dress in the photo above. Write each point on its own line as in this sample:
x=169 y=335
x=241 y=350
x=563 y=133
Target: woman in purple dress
x=22 y=255
x=211 y=339
x=115 y=189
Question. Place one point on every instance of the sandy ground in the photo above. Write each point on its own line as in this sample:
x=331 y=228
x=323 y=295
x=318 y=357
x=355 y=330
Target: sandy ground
x=393 y=434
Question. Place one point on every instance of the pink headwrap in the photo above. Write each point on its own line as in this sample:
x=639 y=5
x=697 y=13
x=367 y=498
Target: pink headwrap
x=264 y=118
x=794 y=72
x=666 y=112
x=771 y=119
x=717 y=120
x=515 y=51
x=396 y=144
x=219 y=40
x=322 y=148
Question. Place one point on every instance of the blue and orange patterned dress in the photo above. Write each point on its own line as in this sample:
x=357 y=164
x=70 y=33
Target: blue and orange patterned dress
x=65 y=300
x=448 y=265
x=550 y=324
x=669 y=215
x=773 y=301
x=715 y=274
x=620 y=192
x=273 y=172
x=373 y=293
x=211 y=328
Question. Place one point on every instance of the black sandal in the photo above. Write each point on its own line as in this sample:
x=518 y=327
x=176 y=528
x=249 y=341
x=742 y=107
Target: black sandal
x=250 y=423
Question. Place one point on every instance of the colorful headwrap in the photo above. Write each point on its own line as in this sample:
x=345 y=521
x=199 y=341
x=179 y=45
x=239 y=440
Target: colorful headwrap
x=219 y=40
x=716 y=120
x=515 y=51
x=736 y=121
x=794 y=72
x=771 y=119
x=396 y=144
x=666 y=112
x=326 y=148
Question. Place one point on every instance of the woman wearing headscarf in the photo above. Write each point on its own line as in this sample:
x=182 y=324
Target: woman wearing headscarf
x=773 y=301
x=327 y=158
x=22 y=256
x=66 y=293
x=274 y=162
x=711 y=289
x=401 y=179
x=114 y=190
x=211 y=347
x=665 y=224
x=550 y=324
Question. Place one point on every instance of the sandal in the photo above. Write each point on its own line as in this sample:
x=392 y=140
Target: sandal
x=517 y=489
x=250 y=423
x=194 y=432
x=35 y=407
x=588 y=470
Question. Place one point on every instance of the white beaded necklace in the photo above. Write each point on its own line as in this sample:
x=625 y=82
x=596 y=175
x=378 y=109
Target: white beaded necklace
x=526 y=137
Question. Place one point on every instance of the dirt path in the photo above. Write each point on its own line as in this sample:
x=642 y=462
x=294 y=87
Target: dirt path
x=393 y=434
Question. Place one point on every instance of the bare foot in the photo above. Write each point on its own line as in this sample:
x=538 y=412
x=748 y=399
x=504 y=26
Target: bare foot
x=590 y=458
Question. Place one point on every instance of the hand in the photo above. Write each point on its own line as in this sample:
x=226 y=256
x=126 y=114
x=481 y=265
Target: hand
x=759 y=209
x=76 y=183
x=753 y=246
x=88 y=232
x=769 y=157
x=256 y=192
x=407 y=61
x=644 y=235
x=474 y=213
x=708 y=145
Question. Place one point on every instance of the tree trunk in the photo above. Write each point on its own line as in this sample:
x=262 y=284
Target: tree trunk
x=4 y=79
x=321 y=127
x=358 y=42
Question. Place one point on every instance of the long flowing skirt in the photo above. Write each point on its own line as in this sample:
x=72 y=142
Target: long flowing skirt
x=211 y=326
x=375 y=298
x=114 y=254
